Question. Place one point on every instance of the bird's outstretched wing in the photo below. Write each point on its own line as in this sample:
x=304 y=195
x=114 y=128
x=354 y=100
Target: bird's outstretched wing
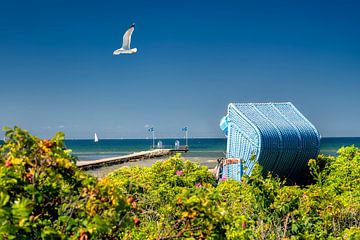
x=127 y=37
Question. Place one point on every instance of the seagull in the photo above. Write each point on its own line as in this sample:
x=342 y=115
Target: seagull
x=126 y=43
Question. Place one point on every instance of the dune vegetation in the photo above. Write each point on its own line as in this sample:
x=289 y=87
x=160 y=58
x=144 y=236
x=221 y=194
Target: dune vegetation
x=43 y=195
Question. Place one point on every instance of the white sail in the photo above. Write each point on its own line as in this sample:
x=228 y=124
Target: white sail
x=96 y=138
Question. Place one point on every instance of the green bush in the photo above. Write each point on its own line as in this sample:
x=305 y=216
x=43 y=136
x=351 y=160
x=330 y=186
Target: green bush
x=43 y=195
x=188 y=204
x=173 y=198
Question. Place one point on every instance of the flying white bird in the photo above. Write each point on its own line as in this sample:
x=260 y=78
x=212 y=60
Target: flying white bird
x=126 y=42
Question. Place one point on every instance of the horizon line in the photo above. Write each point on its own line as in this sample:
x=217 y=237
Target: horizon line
x=170 y=138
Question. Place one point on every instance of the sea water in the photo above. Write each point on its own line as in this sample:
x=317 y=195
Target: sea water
x=199 y=147
x=211 y=148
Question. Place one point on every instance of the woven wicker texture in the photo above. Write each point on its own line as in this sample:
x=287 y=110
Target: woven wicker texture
x=277 y=134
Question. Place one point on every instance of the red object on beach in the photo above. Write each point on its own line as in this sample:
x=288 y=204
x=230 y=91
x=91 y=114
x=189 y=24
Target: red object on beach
x=231 y=161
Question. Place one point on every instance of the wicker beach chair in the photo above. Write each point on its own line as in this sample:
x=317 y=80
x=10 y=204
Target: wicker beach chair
x=276 y=135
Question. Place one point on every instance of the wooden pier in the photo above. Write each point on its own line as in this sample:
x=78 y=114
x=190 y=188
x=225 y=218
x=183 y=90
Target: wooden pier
x=91 y=164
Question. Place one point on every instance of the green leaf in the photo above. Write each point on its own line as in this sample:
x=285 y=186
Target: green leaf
x=4 y=198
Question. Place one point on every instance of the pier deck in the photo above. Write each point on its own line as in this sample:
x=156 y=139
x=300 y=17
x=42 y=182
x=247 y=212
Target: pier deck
x=90 y=164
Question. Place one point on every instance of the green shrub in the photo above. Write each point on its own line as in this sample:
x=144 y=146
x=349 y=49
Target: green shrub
x=43 y=195
x=190 y=204
x=173 y=198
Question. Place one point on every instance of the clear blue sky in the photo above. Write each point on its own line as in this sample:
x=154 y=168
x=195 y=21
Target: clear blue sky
x=58 y=73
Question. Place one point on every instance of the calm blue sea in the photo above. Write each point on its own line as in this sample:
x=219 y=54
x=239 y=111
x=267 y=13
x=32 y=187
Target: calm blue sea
x=211 y=148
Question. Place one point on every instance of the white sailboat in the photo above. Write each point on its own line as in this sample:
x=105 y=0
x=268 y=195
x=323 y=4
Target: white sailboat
x=96 y=139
